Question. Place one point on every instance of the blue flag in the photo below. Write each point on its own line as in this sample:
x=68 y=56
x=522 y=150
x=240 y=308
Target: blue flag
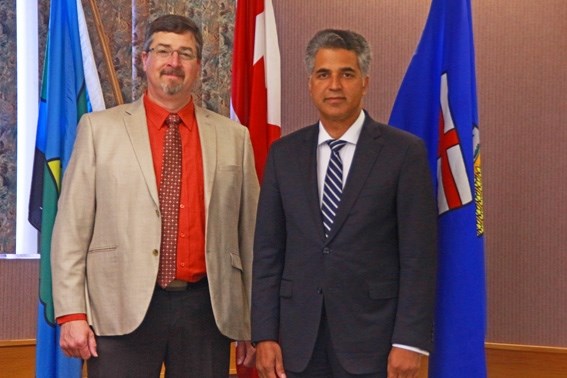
x=437 y=101
x=63 y=100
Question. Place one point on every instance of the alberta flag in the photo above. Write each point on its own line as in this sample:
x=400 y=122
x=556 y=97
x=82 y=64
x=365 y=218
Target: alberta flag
x=65 y=96
x=437 y=101
x=256 y=88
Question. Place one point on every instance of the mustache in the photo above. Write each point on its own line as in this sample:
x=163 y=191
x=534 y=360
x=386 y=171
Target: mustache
x=173 y=71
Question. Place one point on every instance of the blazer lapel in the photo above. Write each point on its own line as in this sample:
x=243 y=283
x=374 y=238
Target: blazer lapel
x=367 y=150
x=136 y=127
x=208 y=138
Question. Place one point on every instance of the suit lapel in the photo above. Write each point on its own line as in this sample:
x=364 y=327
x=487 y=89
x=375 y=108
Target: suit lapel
x=136 y=126
x=367 y=150
x=307 y=163
x=208 y=138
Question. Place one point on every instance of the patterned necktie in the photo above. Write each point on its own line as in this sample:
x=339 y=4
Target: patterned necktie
x=333 y=187
x=169 y=192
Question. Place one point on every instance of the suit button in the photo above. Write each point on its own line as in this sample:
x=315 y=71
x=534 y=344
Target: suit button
x=319 y=290
x=326 y=251
x=155 y=252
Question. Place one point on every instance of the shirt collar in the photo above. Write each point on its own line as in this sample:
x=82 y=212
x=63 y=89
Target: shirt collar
x=158 y=114
x=350 y=136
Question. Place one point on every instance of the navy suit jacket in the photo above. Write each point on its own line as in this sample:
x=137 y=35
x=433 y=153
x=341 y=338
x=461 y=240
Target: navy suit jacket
x=374 y=274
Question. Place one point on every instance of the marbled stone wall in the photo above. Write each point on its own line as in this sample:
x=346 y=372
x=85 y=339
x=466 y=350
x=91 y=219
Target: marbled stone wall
x=8 y=115
x=124 y=23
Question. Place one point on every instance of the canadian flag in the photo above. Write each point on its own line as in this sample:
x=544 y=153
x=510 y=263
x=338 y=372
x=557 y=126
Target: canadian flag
x=256 y=78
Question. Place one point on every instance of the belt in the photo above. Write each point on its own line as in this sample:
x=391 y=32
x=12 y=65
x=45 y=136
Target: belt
x=178 y=285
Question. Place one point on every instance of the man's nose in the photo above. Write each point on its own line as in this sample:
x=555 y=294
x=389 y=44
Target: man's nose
x=174 y=59
x=336 y=82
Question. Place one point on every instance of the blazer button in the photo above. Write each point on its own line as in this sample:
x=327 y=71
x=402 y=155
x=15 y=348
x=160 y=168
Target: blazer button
x=319 y=290
x=155 y=252
x=326 y=251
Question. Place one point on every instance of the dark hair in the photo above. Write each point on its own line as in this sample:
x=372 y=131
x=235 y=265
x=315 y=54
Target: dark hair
x=173 y=23
x=339 y=39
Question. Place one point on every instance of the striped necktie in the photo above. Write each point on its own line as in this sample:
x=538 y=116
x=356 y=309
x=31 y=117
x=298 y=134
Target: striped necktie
x=169 y=193
x=333 y=186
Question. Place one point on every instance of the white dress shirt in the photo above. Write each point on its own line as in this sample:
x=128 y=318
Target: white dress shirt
x=346 y=153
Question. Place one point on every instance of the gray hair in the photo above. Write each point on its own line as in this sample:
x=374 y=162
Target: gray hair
x=173 y=23
x=339 y=39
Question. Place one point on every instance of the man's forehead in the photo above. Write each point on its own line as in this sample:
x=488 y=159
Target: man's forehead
x=341 y=59
x=168 y=38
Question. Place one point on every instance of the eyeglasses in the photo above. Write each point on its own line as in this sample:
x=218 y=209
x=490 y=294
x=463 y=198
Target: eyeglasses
x=166 y=52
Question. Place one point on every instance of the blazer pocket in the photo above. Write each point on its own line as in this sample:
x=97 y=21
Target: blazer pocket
x=103 y=248
x=383 y=290
x=286 y=289
x=229 y=168
x=235 y=261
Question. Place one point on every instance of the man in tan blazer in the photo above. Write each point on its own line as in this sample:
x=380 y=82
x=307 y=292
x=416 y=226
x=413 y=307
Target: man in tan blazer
x=108 y=232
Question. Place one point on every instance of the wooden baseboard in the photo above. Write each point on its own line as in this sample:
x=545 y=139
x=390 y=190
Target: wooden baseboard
x=17 y=360
x=525 y=361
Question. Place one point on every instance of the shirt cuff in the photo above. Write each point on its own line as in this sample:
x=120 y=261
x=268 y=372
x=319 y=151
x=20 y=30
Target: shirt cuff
x=69 y=318
x=413 y=349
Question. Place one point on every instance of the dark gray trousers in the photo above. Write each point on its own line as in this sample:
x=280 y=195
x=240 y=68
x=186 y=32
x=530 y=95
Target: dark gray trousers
x=179 y=331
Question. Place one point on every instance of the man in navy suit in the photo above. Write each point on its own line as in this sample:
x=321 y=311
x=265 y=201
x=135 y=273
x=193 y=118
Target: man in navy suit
x=344 y=288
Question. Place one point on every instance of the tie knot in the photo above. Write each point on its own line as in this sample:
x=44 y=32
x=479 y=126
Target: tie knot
x=336 y=144
x=173 y=119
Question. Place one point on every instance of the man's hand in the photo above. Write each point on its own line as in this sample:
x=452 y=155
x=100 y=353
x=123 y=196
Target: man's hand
x=269 y=361
x=245 y=354
x=78 y=340
x=403 y=363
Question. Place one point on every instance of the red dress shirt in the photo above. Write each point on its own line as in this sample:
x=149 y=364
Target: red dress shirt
x=191 y=265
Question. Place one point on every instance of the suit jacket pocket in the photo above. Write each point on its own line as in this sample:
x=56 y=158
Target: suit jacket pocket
x=286 y=289
x=383 y=290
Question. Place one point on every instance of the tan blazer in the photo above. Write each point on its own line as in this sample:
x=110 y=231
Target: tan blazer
x=106 y=238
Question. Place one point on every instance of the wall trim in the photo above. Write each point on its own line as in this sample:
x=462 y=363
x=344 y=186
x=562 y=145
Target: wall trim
x=526 y=348
x=17 y=359
x=17 y=343
x=525 y=361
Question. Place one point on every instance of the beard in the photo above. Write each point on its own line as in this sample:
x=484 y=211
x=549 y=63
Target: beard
x=172 y=88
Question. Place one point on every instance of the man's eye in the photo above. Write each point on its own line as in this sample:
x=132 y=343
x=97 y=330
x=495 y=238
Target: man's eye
x=185 y=55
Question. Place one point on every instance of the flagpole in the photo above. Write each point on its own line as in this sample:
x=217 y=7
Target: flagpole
x=106 y=52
